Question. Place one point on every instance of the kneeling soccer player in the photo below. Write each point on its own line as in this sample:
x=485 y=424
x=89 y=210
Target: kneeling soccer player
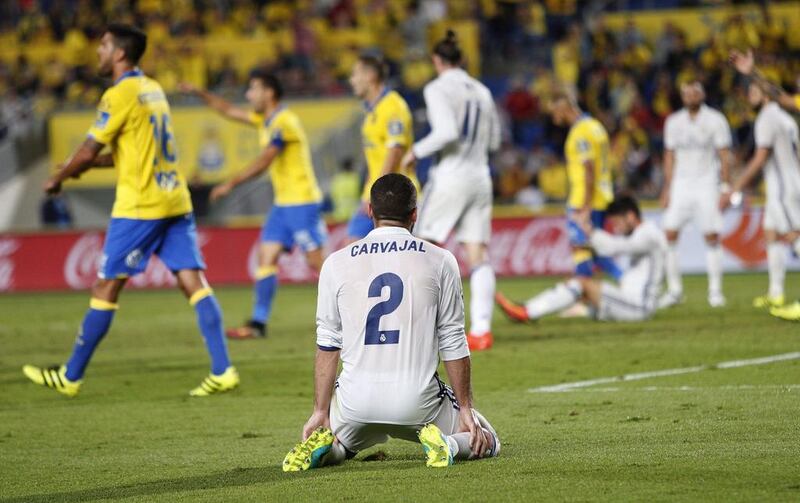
x=152 y=213
x=409 y=293
x=634 y=299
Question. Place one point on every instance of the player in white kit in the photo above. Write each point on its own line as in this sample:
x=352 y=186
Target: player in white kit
x=464 y=128
x=778 y=154
x=634 y=299
x=390 y=307
x=697 y=156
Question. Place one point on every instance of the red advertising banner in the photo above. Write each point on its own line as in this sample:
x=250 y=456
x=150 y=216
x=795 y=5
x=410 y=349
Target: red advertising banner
x=520 y=247
x=69 y=260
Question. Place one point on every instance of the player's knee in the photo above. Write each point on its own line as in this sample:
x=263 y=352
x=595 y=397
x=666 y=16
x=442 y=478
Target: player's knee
x=712 y=239
x=107 y=289
x=672 y=236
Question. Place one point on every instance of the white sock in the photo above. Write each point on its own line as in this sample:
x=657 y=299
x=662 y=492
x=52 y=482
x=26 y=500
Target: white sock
x=335 y=456
x=674 y=282
x=776 y=264
x=481 y=305
x=459 y=442
x=554 y=300
x=714 y=265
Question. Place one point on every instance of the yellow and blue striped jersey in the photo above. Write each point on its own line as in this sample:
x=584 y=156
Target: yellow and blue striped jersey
x=133 y=118
x=587 y=141
x=387 y=124
x=291 y=172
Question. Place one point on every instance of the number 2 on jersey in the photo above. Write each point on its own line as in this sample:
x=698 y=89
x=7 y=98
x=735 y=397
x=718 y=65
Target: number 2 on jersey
x=373 y=333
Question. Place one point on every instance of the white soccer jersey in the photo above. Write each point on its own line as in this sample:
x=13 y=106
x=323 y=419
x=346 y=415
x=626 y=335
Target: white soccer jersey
x=776 y=130
x=647 y=248
x=695 y=143
x=393 y=304
x=464 y=126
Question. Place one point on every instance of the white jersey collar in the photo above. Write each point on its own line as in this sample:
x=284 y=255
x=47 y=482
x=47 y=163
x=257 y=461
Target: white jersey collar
x=384 y=231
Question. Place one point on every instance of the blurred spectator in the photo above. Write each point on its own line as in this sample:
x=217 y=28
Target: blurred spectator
x=345 y=192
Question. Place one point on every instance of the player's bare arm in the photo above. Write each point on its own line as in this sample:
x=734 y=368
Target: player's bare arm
x=392 y=163
x=218 y=103
x=81 y=161
x=755 y=165
x=744 y=62
x=669 y=166
x=588 y=191
x=325 y=368
x=257 y=167
x=459 y=375
x=725 y=162
x=103 y=161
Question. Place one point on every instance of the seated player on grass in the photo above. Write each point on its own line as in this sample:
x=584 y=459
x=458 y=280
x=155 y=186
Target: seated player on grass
x=634 y=298
x=152 y=212
x=409 y=293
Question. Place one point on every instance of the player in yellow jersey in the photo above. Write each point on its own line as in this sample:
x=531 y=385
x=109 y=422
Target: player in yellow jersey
x=386 y=133
x=152 y=212
x=589 y=176
x=295 y=218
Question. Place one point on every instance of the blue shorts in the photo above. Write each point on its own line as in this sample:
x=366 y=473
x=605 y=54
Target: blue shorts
x=130 y=243
x=360 y=224
x=577 y=237
x=300 y=225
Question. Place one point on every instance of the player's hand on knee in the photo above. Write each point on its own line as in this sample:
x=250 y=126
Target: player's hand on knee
x=317 y=419
x=469 y=422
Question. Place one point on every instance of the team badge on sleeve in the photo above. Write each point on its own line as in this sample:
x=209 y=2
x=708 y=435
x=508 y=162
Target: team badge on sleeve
x=102 y=119
x=395 y=127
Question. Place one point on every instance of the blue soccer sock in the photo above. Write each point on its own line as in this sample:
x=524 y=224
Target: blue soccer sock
x=209 y=319
x=266 y=286
x=608 y=266
x=95 y=326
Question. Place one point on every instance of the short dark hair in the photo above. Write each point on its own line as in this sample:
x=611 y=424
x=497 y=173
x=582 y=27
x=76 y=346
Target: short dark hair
x=448 y=48
x=130 y=39
x=376 y=63
x=268 y=80
x=393 y=197
x=622 y=205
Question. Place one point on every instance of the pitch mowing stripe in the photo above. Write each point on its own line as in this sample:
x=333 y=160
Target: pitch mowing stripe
x=560 y=388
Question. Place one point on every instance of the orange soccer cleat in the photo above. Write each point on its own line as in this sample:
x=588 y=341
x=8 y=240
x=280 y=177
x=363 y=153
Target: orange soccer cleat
x=516 y=312
x=480 y=342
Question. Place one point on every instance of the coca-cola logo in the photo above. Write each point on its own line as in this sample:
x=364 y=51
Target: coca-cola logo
x=83 y=259
x=7 y=249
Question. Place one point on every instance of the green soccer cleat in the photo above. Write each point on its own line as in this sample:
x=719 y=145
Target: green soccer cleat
x=309 y=453
x=768 y=301
x=52 y=377
x=436 y=448
x=214 y=384
x=789 y=313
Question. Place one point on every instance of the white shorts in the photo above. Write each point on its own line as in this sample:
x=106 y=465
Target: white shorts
x=356 y=437
x=618 y=305
x=702 y=206
x=463 y=205
x=782 y=215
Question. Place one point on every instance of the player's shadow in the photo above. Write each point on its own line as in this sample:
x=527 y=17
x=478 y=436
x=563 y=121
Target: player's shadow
x=239 y=477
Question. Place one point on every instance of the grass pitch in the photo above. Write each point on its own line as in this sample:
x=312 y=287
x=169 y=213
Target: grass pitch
x=133 y=434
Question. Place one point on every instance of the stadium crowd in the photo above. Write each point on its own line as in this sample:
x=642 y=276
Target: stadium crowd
x=628 y=83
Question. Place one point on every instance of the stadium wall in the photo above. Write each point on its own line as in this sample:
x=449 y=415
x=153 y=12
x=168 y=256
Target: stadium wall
x=520 y=247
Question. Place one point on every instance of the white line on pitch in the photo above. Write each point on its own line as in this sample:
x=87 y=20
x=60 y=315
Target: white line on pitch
x=741 y=387
x=558 y=388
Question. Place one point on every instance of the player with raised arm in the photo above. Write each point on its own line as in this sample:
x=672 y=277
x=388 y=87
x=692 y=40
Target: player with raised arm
x=778 y=155
x=589 y=175
x=464 y=128
x=295 y=218
x=387 y=132
x=152 y=212
x=745 y=63
x=390 y=307
x=634 y=299
x=697 y=156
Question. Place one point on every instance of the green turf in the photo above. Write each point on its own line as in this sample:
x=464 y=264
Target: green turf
x=133 y=434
